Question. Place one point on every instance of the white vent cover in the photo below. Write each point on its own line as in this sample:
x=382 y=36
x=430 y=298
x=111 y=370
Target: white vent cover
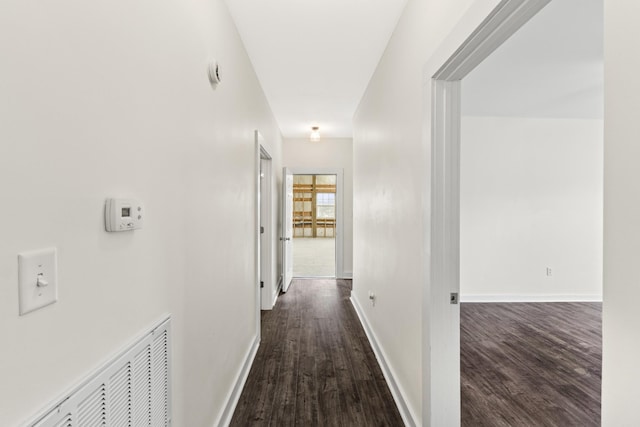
x=131 y=391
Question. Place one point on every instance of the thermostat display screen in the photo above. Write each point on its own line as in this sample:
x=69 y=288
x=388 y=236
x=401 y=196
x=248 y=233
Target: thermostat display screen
x=126 y=212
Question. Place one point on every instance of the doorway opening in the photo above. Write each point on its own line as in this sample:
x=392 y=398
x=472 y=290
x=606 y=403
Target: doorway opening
x=314 y=225
x=531 y=203
x=479 y=34
x=327 y=229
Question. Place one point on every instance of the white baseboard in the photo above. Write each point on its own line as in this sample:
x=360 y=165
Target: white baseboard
x=241 y=379
x=276 y=294
x=275 y=298
x=347 y=275
x=398 y=395
x=530 y=298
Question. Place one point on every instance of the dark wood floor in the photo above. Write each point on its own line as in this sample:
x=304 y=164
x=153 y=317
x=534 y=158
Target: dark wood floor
x=531 y=364
x=315 y=366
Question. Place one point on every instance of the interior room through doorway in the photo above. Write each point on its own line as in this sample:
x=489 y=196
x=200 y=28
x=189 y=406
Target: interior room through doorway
x=314 y=225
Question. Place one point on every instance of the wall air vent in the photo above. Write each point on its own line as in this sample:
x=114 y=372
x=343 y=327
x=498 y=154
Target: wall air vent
x=130 y=391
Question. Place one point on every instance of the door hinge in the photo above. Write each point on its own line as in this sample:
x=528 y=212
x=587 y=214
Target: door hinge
x=453 y=299
x=261 y=284
x=261 y=230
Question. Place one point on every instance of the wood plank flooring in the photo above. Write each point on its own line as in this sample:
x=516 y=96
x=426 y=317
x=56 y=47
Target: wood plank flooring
x=315 y=366
x=534 y=364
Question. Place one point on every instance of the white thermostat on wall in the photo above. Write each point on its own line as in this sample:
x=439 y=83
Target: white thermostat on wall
x=123 y=215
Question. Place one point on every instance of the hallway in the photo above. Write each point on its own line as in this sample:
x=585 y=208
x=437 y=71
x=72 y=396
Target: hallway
x=315 y=365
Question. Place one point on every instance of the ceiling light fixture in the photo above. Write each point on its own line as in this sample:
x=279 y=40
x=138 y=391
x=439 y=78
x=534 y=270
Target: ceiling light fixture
x=315 y=134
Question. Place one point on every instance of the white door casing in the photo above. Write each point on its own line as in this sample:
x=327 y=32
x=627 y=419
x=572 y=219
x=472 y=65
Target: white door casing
x=486 y=25
x=287 y=228
x=268 y=291
x=264 y=228
x=339 y=236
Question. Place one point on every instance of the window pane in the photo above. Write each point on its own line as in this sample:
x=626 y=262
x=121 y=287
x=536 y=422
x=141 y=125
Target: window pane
x=326 y=205
x=326 y=199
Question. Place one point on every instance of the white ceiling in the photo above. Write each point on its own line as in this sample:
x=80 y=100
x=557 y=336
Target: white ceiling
x=315 y=58
x=552 y=67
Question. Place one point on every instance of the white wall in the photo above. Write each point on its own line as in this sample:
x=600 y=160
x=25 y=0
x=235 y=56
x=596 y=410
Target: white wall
x=621 y=346
x=112 y=99
x=390 y=165
x=328 y=153
x=530 y=198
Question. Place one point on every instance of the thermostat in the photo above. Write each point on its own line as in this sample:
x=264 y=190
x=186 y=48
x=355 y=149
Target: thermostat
x=123 y=215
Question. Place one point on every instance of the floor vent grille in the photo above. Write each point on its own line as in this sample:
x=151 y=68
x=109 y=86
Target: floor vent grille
x=131 y=391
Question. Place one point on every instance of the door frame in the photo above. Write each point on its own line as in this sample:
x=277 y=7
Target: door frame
x=266 y=276
x=263 y=215
x=339 y=173
x=287 y=229
x=486 y=25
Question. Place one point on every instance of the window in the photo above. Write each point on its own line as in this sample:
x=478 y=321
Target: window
x=326 y=205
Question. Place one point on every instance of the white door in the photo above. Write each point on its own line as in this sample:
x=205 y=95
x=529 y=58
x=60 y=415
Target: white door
x=287 y=229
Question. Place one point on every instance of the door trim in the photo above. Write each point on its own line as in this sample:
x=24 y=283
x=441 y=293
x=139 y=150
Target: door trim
x=268 y=293
x=287 y=228
x=260 y=251
x=485 y=26
x=339 y=173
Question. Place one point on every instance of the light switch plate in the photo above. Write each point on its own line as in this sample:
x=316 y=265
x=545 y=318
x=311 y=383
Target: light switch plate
x=31 y=265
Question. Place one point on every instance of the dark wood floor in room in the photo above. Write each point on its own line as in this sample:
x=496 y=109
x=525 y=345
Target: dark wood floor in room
x=533 y=364
x=315 y=366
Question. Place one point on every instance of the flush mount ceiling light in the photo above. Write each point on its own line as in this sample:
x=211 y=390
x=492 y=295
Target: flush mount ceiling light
x=315 y=134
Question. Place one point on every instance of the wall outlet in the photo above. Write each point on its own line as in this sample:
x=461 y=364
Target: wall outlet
x=372 y=298
x=549 y=272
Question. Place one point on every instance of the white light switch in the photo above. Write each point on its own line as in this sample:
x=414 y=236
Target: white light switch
x=38 y=279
